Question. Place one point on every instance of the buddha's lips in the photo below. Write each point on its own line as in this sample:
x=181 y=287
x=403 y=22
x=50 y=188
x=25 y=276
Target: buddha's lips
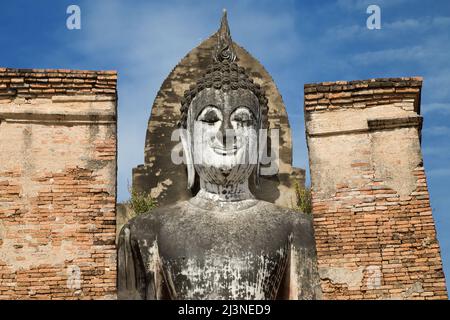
x=225 y=152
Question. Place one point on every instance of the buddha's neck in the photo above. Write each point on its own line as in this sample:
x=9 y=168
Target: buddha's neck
x=229 y=193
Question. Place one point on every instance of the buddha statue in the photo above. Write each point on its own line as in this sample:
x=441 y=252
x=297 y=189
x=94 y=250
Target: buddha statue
x=223 y=243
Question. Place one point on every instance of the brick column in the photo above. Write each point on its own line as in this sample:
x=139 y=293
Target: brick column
x=374 y=228
x=57 y=184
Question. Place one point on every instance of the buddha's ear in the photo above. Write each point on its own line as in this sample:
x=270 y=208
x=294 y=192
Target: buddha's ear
x=187 y=153
x=256 y=176
x=261 y=144
x=258 y=160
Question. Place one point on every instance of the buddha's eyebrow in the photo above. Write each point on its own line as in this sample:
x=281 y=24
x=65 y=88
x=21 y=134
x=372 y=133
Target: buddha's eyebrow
x=200 y=110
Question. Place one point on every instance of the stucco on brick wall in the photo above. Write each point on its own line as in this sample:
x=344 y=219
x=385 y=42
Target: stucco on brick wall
x=57 y=184
x=374 y=229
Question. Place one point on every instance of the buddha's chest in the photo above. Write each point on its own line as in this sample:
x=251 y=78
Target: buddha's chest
x=222 y=259
x=195 y=234
x=215 y=275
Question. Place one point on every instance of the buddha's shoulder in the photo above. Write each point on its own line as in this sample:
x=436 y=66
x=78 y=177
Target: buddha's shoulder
x=152 y=220
x=295 y=216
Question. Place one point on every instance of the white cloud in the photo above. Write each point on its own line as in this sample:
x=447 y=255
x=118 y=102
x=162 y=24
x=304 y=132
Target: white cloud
x=441 y=21
x=441 y=172
x=389 y=29
x=345 y=32
x=407 y=24
x=431 y=151
x=391 y=55
x=363 y=4
x=437 y=131
x=421 y=24
x=436 y=107
x=430 y=55
x=437 y=83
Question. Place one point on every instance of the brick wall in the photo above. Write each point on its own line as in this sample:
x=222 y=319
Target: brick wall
x=374 y=228
x=57 y=184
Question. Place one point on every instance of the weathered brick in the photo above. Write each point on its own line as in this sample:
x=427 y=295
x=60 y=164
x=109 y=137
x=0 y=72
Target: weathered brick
x=54 y=241
x=364 y=223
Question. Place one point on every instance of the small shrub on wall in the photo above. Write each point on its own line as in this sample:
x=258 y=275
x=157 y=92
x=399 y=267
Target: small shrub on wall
x=303 y=199
x=140 y=202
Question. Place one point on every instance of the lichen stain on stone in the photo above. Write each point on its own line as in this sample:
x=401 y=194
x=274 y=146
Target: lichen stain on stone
x=293 y=283
x=374 y=277
x=416 y=287
x=161 y=187
x=409 y=291
x=73 y=277
x=153 y=261
x=38 y=255
x=350 y=277
x=2 y=233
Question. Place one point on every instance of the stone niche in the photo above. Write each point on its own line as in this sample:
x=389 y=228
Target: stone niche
x=374 y=229
x=57 y=184
x=166 y=181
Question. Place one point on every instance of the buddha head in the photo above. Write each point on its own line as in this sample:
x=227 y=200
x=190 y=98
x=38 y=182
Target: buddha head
x=222 y=115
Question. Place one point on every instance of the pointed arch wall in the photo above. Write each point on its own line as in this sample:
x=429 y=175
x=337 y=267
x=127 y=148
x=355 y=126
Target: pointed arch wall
x=166 y=181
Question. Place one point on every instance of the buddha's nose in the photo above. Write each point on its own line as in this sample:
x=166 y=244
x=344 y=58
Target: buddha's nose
x=226 y=134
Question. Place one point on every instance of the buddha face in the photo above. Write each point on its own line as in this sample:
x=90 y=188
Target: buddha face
x=223 y=128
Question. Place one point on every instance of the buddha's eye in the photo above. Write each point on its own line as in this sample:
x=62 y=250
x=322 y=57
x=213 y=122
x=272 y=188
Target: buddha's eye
x=243 y=116
x=209 y=115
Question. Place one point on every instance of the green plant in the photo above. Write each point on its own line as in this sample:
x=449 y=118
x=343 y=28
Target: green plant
x=140 y=202
x=303 y=201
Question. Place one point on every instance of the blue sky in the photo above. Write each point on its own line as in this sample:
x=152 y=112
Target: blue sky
x=297 y=41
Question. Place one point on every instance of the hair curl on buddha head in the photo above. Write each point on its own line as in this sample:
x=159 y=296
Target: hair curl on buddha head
x=224 y=76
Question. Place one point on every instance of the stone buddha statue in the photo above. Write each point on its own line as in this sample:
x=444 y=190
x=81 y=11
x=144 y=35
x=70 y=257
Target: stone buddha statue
x=223 y=243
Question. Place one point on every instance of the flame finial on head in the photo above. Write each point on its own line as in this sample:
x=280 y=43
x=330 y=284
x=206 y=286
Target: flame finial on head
x=224 y=49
